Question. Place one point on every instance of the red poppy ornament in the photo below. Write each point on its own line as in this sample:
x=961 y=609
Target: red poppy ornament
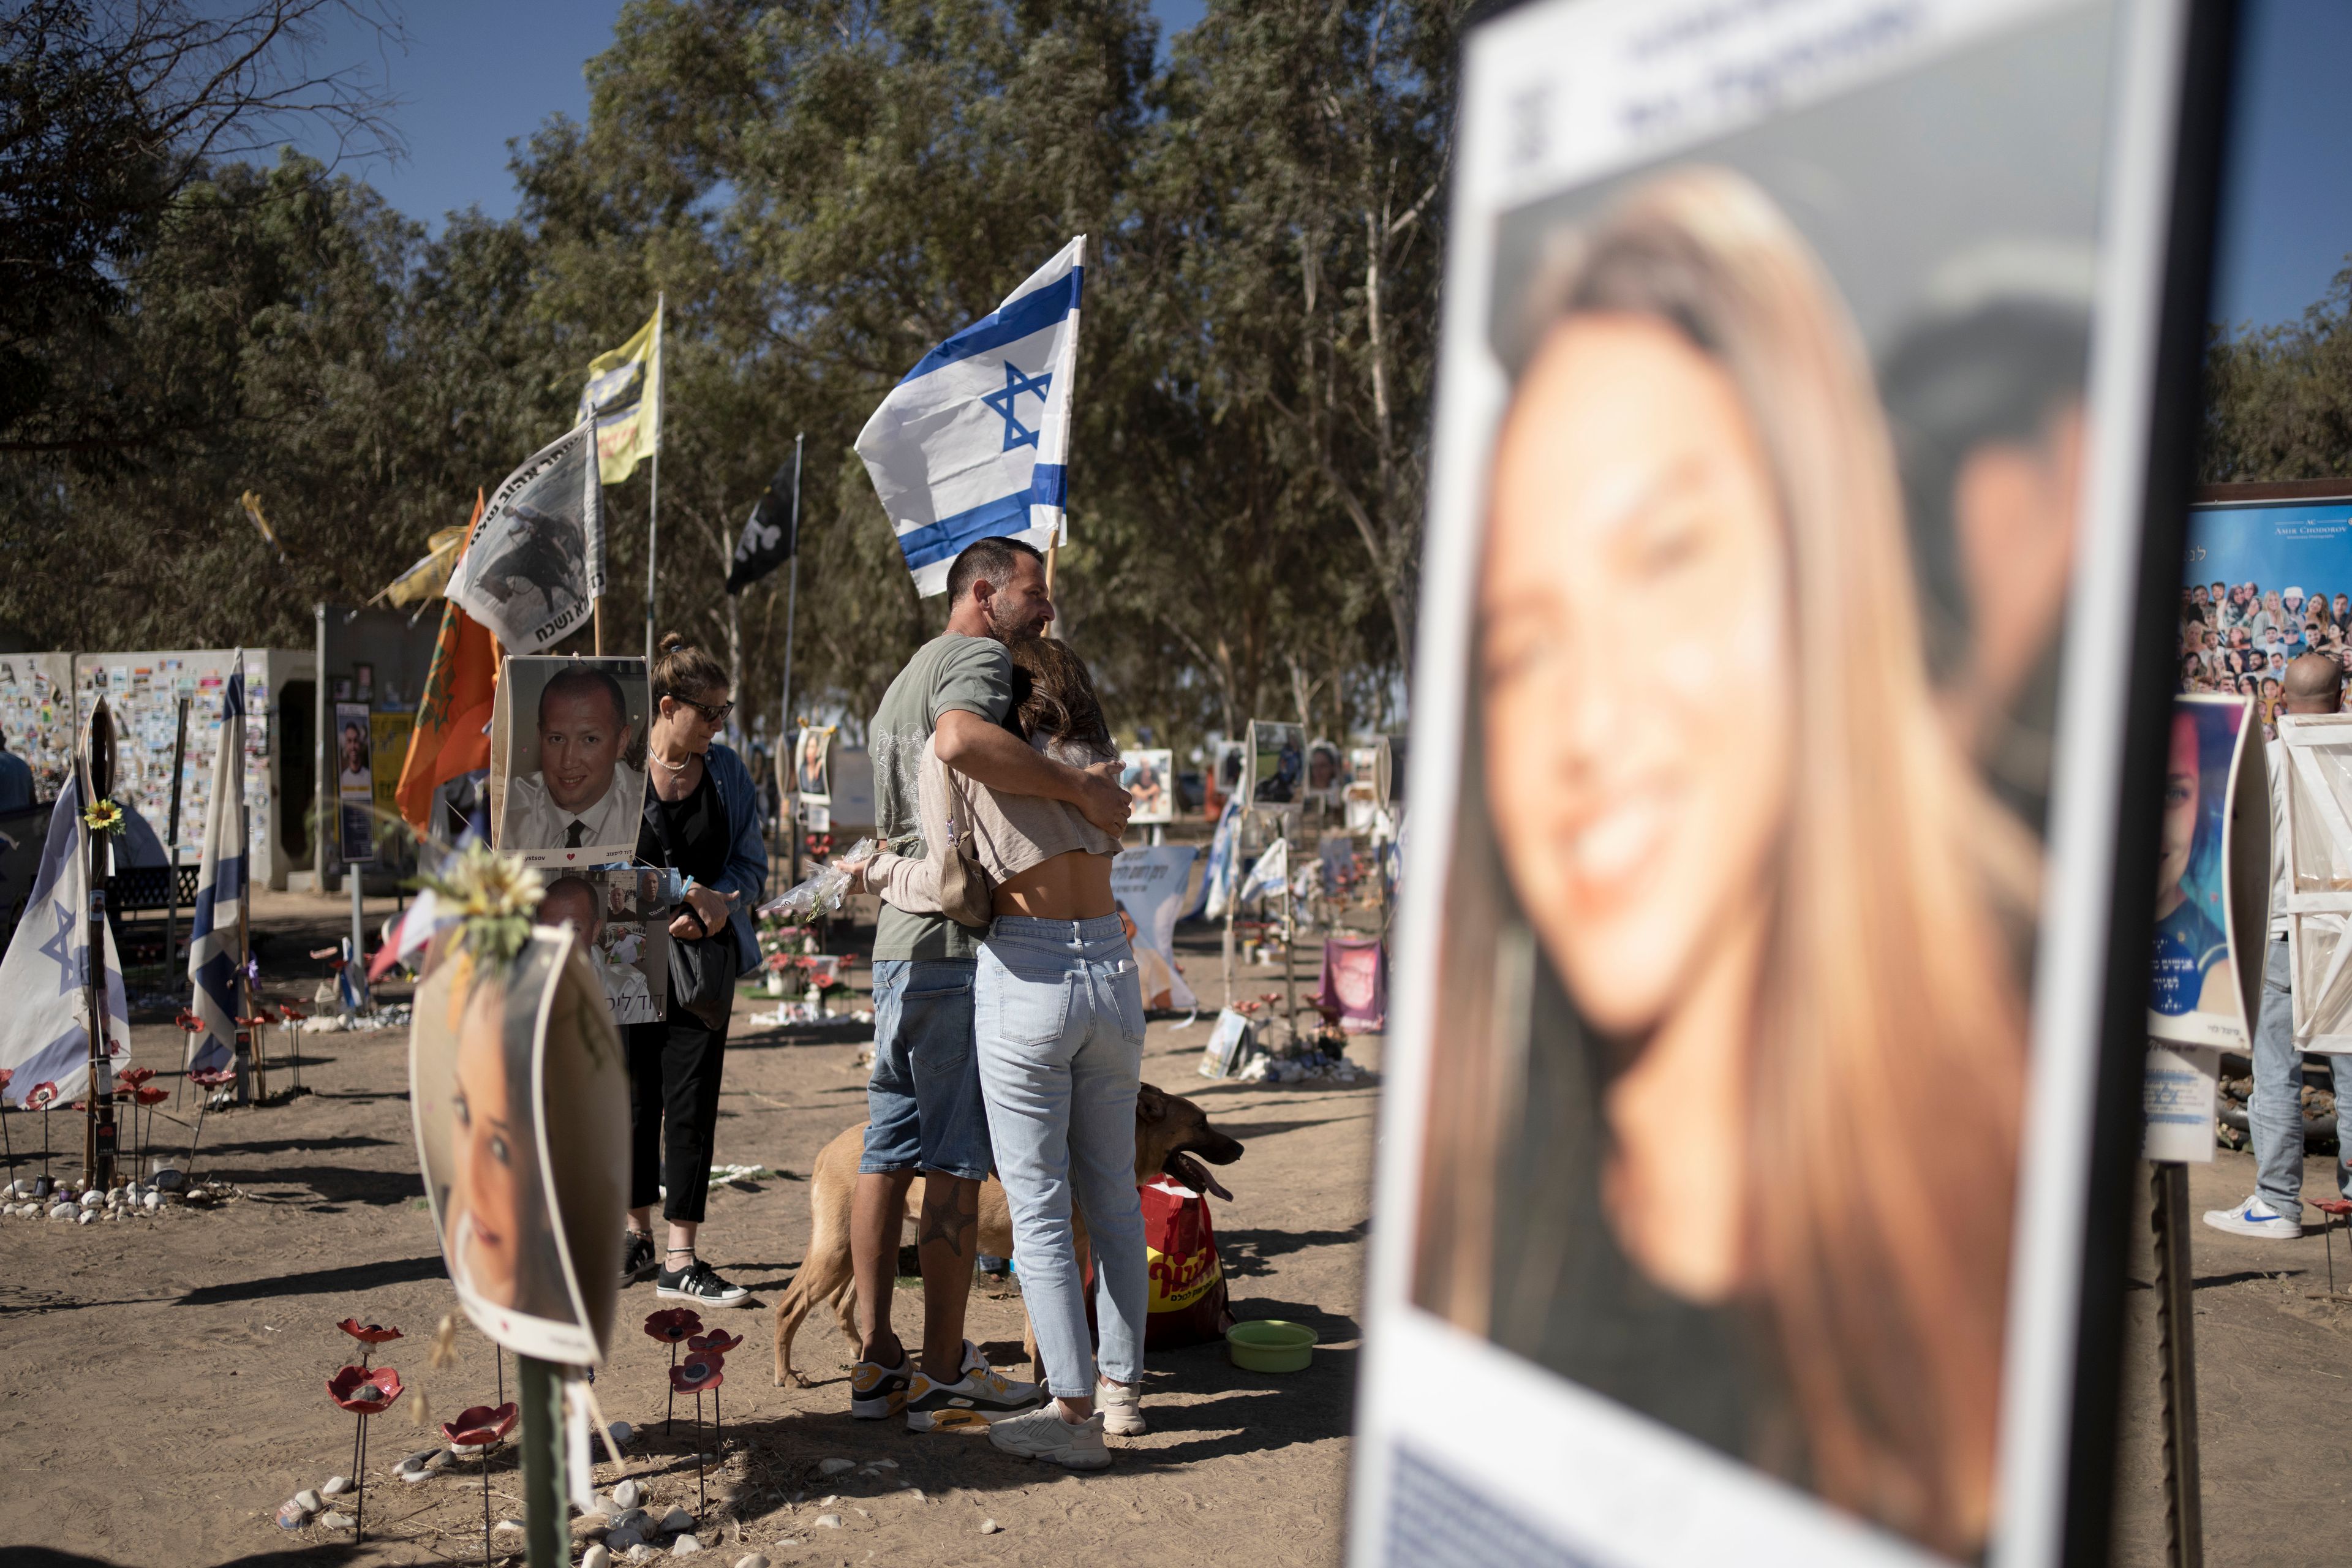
x=480 y=1425
x=718 y=1341
x=131 y=1078
x=673 y=1324
x=702 y=1370
x=369 y=1335
x=364 y=1392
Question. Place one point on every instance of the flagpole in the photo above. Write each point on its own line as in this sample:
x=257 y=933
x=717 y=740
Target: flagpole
x=785 y=741
x=98 y=1144
x=652 y=509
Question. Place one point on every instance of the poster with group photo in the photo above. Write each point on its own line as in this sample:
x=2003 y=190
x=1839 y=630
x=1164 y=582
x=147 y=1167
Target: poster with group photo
x=520 y=1091
x=622 y=924
x=568 y=759
x=1756 y=962
x=2268 y=582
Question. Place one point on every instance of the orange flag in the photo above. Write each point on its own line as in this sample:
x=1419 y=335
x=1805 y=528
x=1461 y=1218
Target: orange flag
x=453 y=719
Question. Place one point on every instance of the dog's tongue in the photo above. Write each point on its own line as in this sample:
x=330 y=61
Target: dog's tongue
x=1195 y=1176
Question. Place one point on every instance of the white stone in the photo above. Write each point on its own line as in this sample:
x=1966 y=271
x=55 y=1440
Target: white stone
x=989 y=1527
x=597 y=1556
x=623 y=1537
x=415 y=1478
x=152 y=1202
x=685 y=1546
x=507 y=1527
x=632 y=1519
x=834 y=1467
x=335 y=1520
x=629 y=1495
x=622 y=1432
x=62 y=1211
x=677 y=1519
x=886 y=1464
x=309 y=1500
x=92 y=1198
x=641 y=1552
x=86 y=1216
x=752 y=1559
x=828 y=1521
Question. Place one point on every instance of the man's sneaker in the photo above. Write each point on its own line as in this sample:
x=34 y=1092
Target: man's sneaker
x=638 y=1258
x=982 y=1394
x=877 y=1392
x=1121 y=1408
x=1042 y=1434
x=2255 y=1218
x=698 y=1282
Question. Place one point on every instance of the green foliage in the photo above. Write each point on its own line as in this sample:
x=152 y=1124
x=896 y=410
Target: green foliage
x=822 y=191
x=2278 y=401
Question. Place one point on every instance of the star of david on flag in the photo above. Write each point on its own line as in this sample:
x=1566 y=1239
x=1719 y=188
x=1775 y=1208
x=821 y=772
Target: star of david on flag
x=45 y=1027
x=974 y=441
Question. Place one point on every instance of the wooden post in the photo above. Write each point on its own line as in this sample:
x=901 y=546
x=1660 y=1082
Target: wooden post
x=598 y=618
x=545 y=1533
x=99 y=1138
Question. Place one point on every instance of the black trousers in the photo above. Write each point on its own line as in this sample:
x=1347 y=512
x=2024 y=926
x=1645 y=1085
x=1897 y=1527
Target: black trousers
x=673 y=1069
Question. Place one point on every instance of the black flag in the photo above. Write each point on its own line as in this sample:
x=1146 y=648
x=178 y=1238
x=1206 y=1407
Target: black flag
x=768 y=534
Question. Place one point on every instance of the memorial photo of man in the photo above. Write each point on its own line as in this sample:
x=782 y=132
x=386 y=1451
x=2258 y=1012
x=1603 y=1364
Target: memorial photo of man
x=585 y=792
x=353 y=776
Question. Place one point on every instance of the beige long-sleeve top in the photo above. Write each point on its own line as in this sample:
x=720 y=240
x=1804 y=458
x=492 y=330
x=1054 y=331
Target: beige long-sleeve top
x=1010 y=834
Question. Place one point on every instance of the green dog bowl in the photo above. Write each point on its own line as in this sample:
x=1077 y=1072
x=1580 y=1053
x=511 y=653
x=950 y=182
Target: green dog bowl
x=1269 y=1344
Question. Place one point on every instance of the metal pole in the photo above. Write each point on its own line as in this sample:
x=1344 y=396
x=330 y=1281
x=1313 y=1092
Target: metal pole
x=2177 y=1376
x=98 y=1145
x=171 y=840
x=358 y=965
x=545 y=1533
x=653 y=508
x=787 y=745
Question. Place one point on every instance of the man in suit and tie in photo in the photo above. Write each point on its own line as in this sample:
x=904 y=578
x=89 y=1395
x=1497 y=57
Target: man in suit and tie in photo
x=583 y=793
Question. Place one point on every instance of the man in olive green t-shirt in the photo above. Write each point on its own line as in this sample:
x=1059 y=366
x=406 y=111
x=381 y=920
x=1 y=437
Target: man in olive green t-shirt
x=924 y=1113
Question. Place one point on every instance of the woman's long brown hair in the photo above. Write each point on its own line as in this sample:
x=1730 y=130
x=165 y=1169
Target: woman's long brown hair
x=1887 y=1055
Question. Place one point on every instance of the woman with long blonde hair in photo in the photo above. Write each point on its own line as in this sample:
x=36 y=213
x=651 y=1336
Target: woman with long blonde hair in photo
x=1725 y=1106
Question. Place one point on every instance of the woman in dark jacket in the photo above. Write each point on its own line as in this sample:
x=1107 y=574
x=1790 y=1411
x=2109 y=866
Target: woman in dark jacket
x=702 y=819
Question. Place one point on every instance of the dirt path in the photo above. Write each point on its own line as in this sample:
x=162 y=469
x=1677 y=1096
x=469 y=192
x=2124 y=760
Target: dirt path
x=161 y=1382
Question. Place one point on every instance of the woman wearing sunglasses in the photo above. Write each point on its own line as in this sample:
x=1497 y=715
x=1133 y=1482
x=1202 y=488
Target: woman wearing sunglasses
x=702 y=817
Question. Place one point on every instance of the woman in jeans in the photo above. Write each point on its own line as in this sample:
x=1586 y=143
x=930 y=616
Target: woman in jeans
x=1059 y=1020
x=701 y=817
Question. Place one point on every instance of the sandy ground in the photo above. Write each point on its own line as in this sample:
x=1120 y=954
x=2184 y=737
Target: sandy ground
x=161 y=1382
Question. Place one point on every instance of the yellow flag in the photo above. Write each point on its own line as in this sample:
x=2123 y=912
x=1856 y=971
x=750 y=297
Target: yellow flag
x=623 y=393
x=429 y=578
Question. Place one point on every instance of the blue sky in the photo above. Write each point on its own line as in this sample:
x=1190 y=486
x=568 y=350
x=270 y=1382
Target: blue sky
x=478 y=74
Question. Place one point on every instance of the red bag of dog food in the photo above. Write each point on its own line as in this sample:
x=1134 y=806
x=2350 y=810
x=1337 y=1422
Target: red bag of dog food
x=1187 y=1296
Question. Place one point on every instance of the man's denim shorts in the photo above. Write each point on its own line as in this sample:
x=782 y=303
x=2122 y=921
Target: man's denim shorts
x=923 y=1107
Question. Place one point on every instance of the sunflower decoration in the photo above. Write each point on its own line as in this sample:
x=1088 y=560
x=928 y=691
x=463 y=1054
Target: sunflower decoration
x=104 y=817
x=495 y=895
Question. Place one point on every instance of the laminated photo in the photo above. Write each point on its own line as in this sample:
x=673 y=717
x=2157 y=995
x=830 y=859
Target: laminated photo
x=568 y=760
x=1757 y=964
x=622 y=922
x=1150 y=885
x=519 y=1087
x=1148 y=778
x=813 y=763
x=353 y=752
x=1276 y=760
x=2212 y=880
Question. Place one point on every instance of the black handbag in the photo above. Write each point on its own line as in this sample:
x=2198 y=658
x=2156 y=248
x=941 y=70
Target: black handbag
x=701 y=969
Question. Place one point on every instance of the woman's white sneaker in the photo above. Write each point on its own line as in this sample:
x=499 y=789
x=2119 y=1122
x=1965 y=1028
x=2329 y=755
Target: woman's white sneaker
x=1121 y=1408
x=1042 y=1434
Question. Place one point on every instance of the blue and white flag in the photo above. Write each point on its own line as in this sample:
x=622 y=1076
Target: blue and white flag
x=44 y=980
x=214 y=951
x=974 y=441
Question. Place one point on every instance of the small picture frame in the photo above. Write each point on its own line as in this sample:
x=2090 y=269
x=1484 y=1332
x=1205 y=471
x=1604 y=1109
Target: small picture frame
x=340 y=690
x=363 y=683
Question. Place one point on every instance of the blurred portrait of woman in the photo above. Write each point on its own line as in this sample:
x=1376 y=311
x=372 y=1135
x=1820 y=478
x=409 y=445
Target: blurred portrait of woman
x=500 y=1246
x=1731 y=917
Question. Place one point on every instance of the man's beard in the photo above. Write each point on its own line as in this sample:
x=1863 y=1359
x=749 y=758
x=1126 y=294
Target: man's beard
x=1010 y=634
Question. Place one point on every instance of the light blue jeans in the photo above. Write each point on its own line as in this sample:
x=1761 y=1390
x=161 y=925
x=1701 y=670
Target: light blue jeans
x=2276 y=1113
x=1058 y=1017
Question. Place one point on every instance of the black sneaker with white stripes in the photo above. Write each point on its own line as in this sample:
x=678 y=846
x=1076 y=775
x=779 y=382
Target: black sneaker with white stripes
x=700 y=1282
x=638 y=1258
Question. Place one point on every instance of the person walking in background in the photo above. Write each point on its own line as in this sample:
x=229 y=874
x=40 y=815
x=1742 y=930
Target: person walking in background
x=701 y=818
x=16 y=780
x=924 y=1110
x=2274 y=1210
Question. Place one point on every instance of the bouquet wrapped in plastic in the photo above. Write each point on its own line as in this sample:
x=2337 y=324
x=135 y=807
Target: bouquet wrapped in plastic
x=823 y=892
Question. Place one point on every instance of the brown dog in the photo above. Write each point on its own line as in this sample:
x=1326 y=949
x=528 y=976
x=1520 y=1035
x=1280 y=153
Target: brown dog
x=1169 y=1131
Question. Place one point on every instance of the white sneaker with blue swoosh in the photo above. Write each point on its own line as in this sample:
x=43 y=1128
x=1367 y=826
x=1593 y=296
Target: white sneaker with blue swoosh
x=2255 y=1218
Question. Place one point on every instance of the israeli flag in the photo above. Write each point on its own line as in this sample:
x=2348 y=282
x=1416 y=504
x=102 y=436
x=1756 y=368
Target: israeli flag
x=974 y=441
x=45 y=1027
x=215 y=953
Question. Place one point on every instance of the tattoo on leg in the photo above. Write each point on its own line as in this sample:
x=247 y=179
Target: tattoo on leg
x=950 y=1220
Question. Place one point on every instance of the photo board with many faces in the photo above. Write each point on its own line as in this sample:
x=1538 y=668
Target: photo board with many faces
x=1752 y=842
